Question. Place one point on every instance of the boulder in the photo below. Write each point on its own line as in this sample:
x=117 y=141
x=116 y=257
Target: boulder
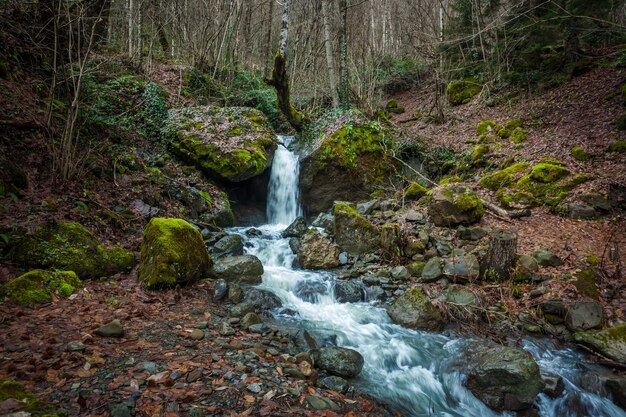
x=348 y=291
x=111 y=329
x=432 y=270
x=414 y=246
x=250 y=319
x=545 y=257
x=584 y=315
x=412 y=309
x=471 y=233
x=610 y=342
x=339 y=361
x=400 y=273
x=37 y=286
x=581 y=211
x=324 y=221
x=465 y=268
x=317 y=251
x=230 y=245
x=310 y=290
x=353 y=233
x=262 y=300
x=294 y=244
x=244 y=268
x=458 y=295
x=504 y=378
x=68 y=247
x=527 y=266
x=230 y=144
x=334 y=383
x=296 y=229
x=453 y=205
x=172 y=252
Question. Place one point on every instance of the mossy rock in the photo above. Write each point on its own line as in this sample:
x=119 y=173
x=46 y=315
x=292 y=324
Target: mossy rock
x=450 y=180
x=172 y=252
x=232 y=144
x=513 y=124
x=547 y=173
x=579 y=154
x=486 y=127
x=11 y=390
x=610 y=342
x=354 y=233
x=619 y=146
x=392 y=107
x=479 y=153
x=452 y=205
x=412 y=309
x=37 y=286
x=463 y=91
x=69 y=247
x=502 y=178
x=518 y=135
x=620 y=122
x=586 y=283
x=414 y=192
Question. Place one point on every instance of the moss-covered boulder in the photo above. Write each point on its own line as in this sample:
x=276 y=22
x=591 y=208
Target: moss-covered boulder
x=344 y=157
x=26 y=404
x=69 y=247
x=172 y=252
x=455 y=204
x=37 y=286
x=502 y=178
x=462 y=91
x=610 y=342
x=579 y=154
x=412 y=309
x=354 y=233
x=414 y=192
x=231 y=143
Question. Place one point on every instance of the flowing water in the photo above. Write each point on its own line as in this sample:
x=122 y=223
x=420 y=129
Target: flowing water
x=410 y=370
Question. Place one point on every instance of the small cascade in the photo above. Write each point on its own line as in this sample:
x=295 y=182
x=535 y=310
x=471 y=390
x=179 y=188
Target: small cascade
x=283 y=202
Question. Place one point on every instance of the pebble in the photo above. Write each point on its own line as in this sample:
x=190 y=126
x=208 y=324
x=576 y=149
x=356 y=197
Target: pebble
x=111 y=329
x=197 y=334
x=149 y=367
x=255 y=388
x=75 y=346
x=202 y=325
x=226 y=330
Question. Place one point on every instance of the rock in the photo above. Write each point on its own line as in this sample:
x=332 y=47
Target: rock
x=400 y=273
x=255 y=388
x=235 y=293
x=416 y=268
x=119 y=410
x=443 y=247
x=413 y=310
x=454 y=204
x=390 y=241
x=415 y=216
x=461 y=267
x=230 y=245
x=334 y=383
x=616 y=386
x=324 y=221
x=471 y=233
x=317 y=251
x=461 y=296
x=527 y=267
x=581 y=211
x=432 y=270
x=616 y=195
x=262 y=300
x=353 y=233
x=294 y=244
x=144 y=210
x=150 y=367
x=504 y=378
x=321 y=403
x=365 y=208
x=545 y=257
x=260 y=328
x=584 y=315
x=241 y=309
x=75 y=346
x=310 y=290
x=296 y=229
x=610 y=342
x=195 y=134
x=111 y=329
x=172 y=252
x=250 y=319
x=339 y=361
x=243 y=268
x=196 y=334
x=220 y=289
x=68 y=247
x=252 y=232
x=553 y=385
x=599 y=202
x=414 y=246
x=343 y=258
x=37 y=286
x=348 y=292
x=226 y=330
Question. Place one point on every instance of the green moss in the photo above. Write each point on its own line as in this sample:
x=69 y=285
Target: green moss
x=414 y=192
x=619 y=146
x=172 y=252
x=547 y=173
x=32 y=406
x=586 y=283
x=118 y=259
x=486 y=127
x=504 y=133
x=206 y=198
x=354 y=233
x=392 y=106
x=38 y=285
x=479 y=153
x=592 y=259
x=513 y=124
x=579 y=154
x=552 y=161
x=502 y=178
x=518 y=135
x=450 y=180
x=462 y=91
x=4 y=70
x=348 y=144
x=471 y=205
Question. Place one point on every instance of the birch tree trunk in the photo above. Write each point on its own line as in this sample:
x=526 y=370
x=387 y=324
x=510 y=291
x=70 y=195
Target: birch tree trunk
x=330 y=61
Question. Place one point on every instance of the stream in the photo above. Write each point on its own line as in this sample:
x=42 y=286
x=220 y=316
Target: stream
x=412 y=371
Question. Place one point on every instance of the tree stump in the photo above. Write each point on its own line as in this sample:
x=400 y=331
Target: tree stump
x=502 y=255
x=390 y=241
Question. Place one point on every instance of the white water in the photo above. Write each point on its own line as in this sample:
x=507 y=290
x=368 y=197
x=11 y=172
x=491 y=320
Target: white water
x=412 y=371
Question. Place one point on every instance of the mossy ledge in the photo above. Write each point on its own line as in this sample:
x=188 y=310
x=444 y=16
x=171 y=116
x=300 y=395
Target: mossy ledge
x=37 y=286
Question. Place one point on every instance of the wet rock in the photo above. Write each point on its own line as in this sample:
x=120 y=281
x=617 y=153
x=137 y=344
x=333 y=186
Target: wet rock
x=343 y=258
x=334 y=383
x=432 y=270
x=320 y=403
x=220 y=289
x=553 y=385
x=400 y=273
x=616 y=386
x=259 y=328
x=317 y=251
x=296 y=229
x=235 y=293
x=348 y=292
x=244 y=268
x=294 y=244
x=554 y=311
x=414 y=310
x=610 y=342
x=354 y=233
x=111 y=329
x=324 y=221
x=584 y=315
x=375 y=293
x=471 y=233
x=252 y=232
x=255 y=388
x=599 y=202
x=443 y=247
x=545 y=257
x=262 y=300
x=250 y=319
x=465 y=268
x=452 y=205
x=196 y=334
x=310 y=290
x=461 y=296
x=230 y=245
x=504 y=378
x=75 y=346
x=241 y=309
x=339 y=361
x=150 y=367
x=415 y=216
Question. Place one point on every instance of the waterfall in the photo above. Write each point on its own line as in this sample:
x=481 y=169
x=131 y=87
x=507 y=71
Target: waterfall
x=283 y=202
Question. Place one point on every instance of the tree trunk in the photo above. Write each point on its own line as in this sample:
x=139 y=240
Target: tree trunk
x=502 y=255
x=330 y=61
x=344 y=88
x=268 y=38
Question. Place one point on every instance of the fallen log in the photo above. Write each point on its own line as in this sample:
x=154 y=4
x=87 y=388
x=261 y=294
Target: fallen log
x=511 y=214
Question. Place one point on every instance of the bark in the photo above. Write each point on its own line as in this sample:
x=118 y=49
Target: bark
x=330 y=61
x=502 y=255
x=344 y=86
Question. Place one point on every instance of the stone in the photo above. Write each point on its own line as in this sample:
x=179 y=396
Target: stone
x=458 y=295
x=38 y=285
x=230 y=245
x=294 y=244
x=504 y=378
x=250 y=319
x=226 y=330
x=610 y=343
x=464 y=268
x=599 y=202
x=453 y=205
x=366 y=207
x=353 y=233
x=390 y=241
x=443 y=247
x=343 y=258
x=414 y=310
x=320 y=403
x=317 y=251
x=553 y=385
x=296 y=229
x=471 y=233
x=334 y=383
x=119 y=410
x=255 y=388
x=584 y=315
x=220 y=289
x=75 y=346
x=348 y=292
x=339 y=361
x=400 y=273
x=259 y=328
x=262 y=300
x=616 y=386
x=432 y=270
x=527 y=267
x=111 y=329
x=196 y=334
x=415 y=216
x=324 y=221
x=310 y=290
x=235 y=293
x=414 y=246
x=241 y=309
x=244 y=268
x=545 y=257
x=172 y=253
x=581 y=211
